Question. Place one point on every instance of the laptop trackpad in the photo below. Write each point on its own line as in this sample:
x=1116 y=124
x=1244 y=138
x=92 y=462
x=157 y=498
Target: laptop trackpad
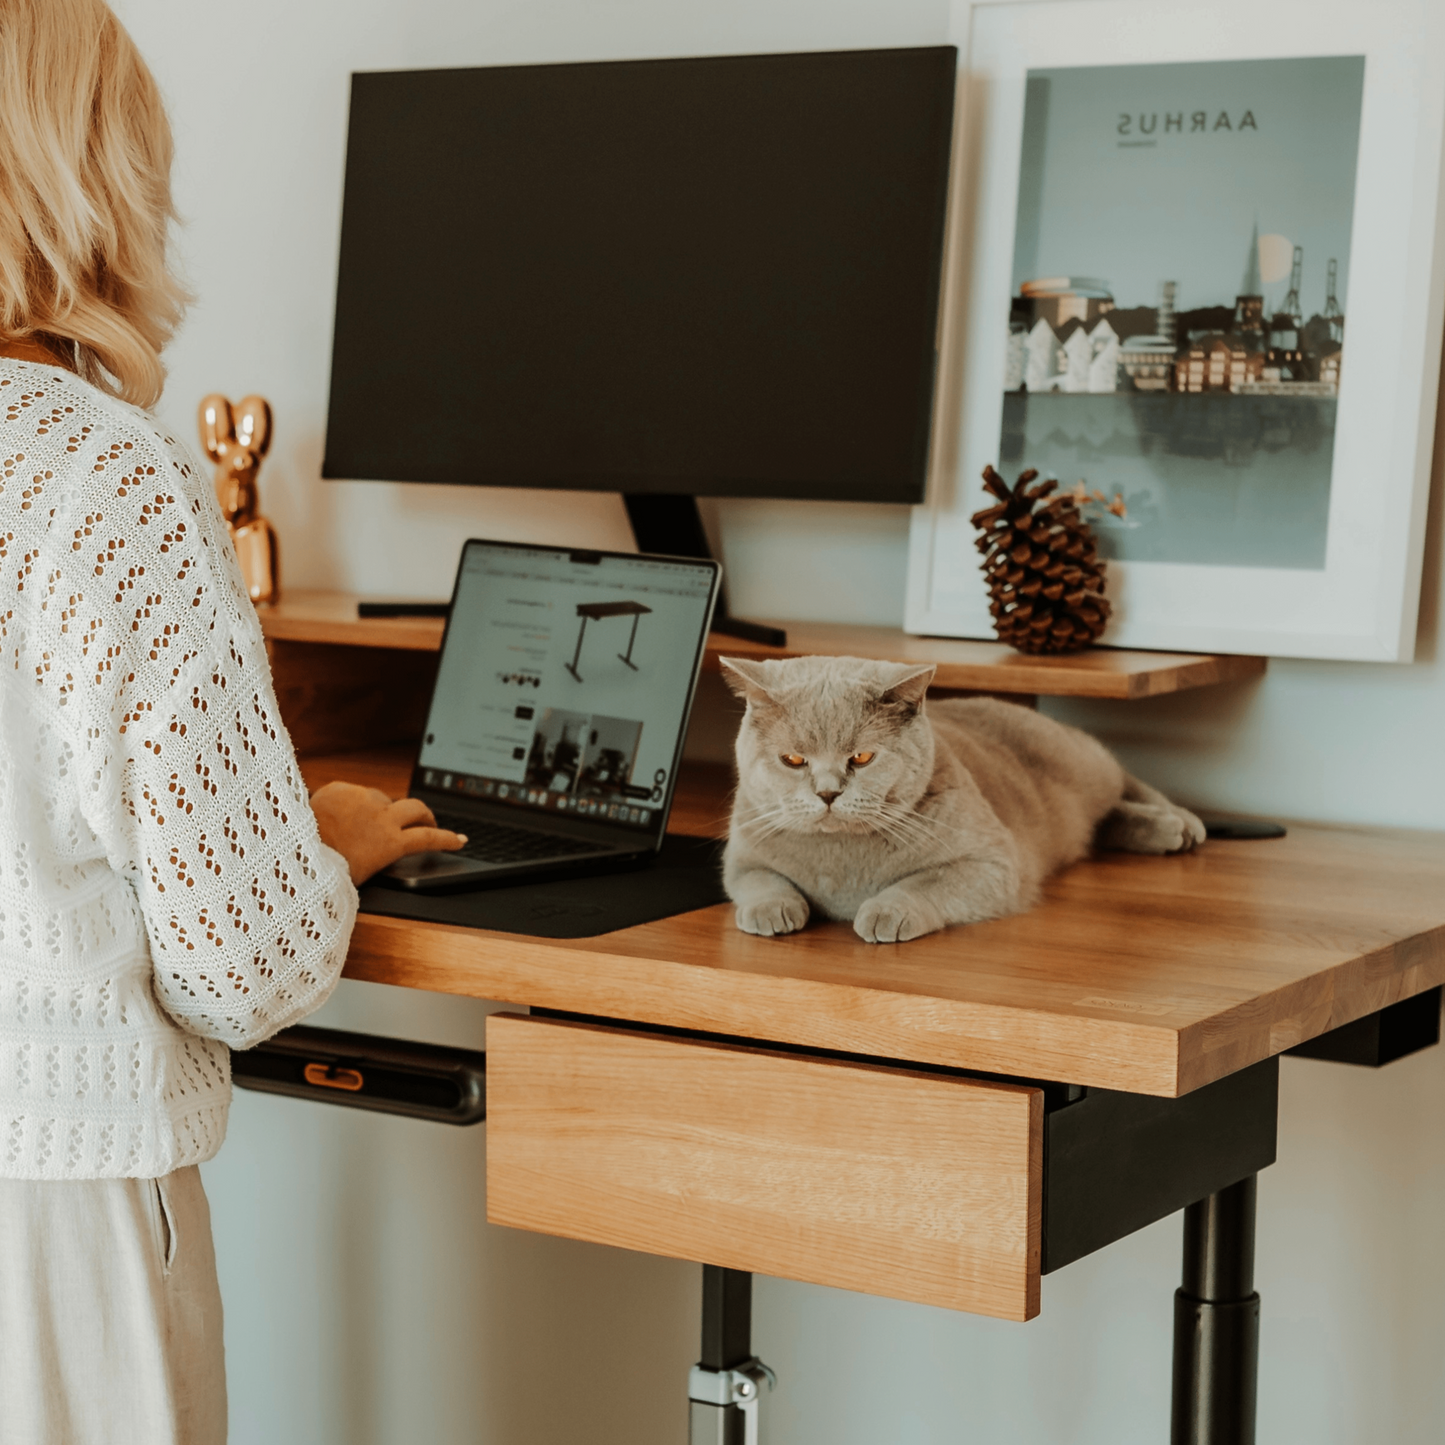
x=427 y=870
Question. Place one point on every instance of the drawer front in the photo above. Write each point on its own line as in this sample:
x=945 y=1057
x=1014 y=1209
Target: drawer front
x=884 y=1180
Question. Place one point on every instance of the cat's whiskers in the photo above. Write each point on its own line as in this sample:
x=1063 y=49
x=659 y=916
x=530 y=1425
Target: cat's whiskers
x=924 y=833
x=911 y=828
x=766 y=827
x=891 y=834
x=923 y=827
x=892 y=827
x=766 y=822
x=748 y=811
x=913 y=813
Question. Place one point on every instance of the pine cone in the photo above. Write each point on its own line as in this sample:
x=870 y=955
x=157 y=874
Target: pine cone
x=1045 y=577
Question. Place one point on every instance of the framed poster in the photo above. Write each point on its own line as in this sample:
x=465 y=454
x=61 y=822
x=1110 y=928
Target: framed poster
x=1194 y=265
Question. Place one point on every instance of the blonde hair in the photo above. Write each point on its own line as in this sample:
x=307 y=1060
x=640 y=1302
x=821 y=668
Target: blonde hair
x=85 y=195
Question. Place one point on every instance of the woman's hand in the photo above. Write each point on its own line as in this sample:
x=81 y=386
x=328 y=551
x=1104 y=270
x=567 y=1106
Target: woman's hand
x=371 y=832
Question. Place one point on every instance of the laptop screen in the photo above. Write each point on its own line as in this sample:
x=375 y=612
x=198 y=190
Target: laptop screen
x=566 y=679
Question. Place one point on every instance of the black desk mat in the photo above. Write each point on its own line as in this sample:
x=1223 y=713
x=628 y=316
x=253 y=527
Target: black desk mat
x=686 y=874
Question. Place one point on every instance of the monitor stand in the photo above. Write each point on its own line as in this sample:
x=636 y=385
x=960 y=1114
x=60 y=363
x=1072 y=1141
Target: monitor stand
x=670 y=523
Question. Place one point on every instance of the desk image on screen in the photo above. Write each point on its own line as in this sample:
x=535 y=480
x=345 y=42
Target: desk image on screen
x=596 y=612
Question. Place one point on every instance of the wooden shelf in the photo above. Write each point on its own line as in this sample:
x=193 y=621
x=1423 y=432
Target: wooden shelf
x=331 y=617
x=973 y=666
x=963 y=665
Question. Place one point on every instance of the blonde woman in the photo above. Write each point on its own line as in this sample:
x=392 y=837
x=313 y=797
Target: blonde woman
x=167 y=890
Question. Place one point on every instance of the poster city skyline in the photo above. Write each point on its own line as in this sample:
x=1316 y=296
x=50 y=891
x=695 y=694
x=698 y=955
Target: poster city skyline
x=1180 y=285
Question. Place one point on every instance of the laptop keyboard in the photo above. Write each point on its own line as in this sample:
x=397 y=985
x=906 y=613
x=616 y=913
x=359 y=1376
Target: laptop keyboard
x=497 y=843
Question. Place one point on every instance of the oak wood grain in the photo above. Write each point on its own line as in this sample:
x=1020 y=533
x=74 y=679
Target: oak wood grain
x=888 y=1181
x=1154 y=975
x=963 y=664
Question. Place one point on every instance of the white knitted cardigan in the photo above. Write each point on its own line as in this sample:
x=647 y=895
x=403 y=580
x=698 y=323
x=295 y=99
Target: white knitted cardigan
x=164 y=893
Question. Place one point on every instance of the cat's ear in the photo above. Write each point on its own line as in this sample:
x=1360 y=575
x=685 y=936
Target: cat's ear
x=746 y=679
x=907 y=689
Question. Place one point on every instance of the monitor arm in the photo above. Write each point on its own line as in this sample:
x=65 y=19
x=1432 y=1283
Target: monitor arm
x=671 y=524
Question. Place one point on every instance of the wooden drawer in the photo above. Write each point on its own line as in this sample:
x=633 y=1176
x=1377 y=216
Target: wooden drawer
x=890 y=1181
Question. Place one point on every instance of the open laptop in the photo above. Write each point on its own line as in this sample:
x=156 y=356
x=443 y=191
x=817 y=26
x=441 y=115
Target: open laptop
x=556 y=725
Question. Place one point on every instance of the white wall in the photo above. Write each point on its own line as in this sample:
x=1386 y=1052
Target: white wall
x=367 y=1300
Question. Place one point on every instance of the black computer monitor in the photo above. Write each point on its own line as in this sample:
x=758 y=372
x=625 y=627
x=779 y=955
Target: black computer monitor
x=713 y=276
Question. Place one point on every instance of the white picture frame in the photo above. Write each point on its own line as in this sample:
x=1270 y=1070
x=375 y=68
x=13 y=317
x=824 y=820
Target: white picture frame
x=1362 y=603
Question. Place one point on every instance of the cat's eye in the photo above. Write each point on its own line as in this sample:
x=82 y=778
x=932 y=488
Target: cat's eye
x=794 y=760
x=861 y=760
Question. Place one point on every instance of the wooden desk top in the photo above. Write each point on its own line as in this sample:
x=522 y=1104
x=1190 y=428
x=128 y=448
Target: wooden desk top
x=1152 y=975
x=962 y=664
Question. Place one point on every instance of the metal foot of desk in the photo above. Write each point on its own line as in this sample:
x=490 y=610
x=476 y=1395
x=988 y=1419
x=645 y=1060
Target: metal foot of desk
x=1216 y=1323
x=724 y=1387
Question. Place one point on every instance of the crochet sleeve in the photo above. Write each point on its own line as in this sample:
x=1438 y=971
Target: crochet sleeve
x=197 y=795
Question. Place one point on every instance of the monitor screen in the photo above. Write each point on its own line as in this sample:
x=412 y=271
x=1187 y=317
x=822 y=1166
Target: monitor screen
x=566 y=679
x=712 y=276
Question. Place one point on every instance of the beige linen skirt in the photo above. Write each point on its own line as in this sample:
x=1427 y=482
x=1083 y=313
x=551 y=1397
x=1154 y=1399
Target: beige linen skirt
x=110 y=1315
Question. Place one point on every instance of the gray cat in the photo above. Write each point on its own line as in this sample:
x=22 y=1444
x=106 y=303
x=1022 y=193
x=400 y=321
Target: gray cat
x=855 y=803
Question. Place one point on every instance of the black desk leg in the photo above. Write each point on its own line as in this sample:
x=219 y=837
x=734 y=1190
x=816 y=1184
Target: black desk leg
x=724 y=1386
x=577 y=656
x=627 y=657
x=1216 y=1323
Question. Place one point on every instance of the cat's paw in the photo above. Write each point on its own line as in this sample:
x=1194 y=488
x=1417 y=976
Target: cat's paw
x=1151 y=828
x=782 y=913
x=1193 y=828
x=895 y=918
x=1177 y=831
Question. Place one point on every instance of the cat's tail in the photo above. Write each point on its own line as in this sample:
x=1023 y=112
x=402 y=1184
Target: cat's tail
x=1145 y=821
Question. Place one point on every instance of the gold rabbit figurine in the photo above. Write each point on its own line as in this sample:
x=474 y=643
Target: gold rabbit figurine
x=236 y=440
